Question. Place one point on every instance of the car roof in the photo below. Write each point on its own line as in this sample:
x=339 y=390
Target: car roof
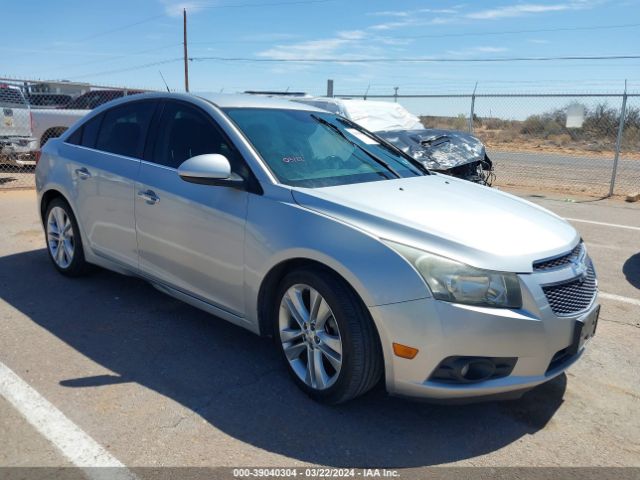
x=221 y=100
x=226 y=100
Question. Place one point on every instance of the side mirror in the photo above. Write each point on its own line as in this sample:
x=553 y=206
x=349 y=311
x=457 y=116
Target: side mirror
x=209 y=169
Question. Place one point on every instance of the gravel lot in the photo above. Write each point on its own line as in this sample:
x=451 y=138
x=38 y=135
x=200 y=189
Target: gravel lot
x=158 y=383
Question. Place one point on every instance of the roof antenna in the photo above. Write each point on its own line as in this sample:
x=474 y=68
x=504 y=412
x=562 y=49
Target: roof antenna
x=164 y=81
x=367 y=91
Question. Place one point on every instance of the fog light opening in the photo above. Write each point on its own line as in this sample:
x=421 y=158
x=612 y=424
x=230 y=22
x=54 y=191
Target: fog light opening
x=475 y=370
x=459 y=369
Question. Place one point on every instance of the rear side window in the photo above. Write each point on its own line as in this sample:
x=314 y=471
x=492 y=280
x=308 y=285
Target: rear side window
x=87 y=134
x=76 y=137
x=124 y=128
x=90 y=132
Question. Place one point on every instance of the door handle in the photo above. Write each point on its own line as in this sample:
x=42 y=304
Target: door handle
x=149 y=196
x=83 y=173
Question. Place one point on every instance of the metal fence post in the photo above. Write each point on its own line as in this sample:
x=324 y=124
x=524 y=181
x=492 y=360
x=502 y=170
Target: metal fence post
x=473 y=104
x=623 y=114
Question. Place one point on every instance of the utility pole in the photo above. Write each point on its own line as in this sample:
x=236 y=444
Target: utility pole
x=329 y=88
x=186 y=55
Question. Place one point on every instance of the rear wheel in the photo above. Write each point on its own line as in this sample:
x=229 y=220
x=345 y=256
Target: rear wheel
x=326 y=336
x=63 y=239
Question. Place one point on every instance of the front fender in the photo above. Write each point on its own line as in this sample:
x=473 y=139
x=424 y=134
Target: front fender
x=278 y=231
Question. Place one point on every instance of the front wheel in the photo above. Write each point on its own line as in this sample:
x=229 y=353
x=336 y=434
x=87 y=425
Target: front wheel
x=326 y=336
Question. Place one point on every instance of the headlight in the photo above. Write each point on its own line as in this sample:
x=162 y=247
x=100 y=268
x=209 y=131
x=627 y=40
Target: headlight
x=453 y=281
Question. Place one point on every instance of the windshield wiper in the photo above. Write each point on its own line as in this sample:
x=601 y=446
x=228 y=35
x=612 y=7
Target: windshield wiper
x=385 y=144
x=375 y=158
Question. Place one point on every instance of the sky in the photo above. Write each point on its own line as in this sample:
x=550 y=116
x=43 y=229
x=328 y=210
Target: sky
x=130 y=42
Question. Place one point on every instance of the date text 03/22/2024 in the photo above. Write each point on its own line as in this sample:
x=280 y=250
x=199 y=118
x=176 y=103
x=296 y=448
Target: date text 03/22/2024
x=315 y=473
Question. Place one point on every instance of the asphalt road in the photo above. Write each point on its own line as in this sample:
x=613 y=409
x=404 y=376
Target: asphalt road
x=575 y=173
x=157 y=383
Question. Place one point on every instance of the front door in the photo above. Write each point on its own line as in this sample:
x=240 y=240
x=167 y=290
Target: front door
x=190 y=237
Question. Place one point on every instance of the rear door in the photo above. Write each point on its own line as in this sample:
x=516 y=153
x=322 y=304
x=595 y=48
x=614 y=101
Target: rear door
x=191 y=237
x=105 y=166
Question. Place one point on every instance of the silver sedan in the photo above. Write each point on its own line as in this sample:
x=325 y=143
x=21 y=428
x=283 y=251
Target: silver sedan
x=299 y=224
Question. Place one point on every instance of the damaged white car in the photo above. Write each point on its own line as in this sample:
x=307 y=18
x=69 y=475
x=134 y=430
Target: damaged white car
x=446 y=151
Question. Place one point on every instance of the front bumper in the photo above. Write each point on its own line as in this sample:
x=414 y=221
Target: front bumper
x=533 y=334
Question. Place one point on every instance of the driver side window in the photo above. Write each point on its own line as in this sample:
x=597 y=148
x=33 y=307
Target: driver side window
x=184 y=132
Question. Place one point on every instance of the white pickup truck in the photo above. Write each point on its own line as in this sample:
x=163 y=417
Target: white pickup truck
x=17 y=142
x=25 y=130
x=51 y=123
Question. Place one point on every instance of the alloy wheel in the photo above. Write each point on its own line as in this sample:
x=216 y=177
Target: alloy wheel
x=60 y=237
x=310 y=336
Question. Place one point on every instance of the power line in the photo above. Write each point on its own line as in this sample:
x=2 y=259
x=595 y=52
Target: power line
x=123 y=27
x=416 y=60
x=363 y=60
x=257 y=4
x=198 y=5
x=114 y=56
x=509 y=32
x=456 y=34
x=129 y=69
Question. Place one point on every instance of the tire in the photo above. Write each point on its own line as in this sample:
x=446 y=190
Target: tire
x=360 y=360
x=66 y=253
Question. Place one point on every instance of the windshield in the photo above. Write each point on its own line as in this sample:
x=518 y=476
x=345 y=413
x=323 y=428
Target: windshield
x=317 y=149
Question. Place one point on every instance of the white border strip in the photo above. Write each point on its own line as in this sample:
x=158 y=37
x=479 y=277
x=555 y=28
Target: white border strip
x=615 y=225
x=618 y=298
x=78 y=447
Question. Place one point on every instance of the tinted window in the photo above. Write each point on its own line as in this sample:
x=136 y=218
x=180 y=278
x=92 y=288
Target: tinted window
x=184 y=132
x=76 y=137
x=124 y=128
x=90 y=132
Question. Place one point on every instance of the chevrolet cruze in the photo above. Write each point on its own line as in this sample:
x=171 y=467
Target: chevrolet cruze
x=299 y=224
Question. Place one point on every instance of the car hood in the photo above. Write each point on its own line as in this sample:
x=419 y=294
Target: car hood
x=437 y=149
x=477 y=225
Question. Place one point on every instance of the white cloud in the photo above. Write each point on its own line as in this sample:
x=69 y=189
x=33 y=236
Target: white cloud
x=269 y=37
x=474 y=51
x=518 y=10
x=343 y=45
x=174 y=8
x=390 y=13
x=308 y=50
x=352 y=34
x=407 y=13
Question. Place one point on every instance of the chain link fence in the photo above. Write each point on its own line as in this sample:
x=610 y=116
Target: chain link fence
x=567 y=142
x=32 y=112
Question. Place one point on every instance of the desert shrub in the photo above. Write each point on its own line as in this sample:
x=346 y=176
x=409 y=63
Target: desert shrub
x=542 y=125
x=601 y=122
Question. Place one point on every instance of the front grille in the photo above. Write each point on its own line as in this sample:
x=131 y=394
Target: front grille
x=561 y=261
x=573 y=296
